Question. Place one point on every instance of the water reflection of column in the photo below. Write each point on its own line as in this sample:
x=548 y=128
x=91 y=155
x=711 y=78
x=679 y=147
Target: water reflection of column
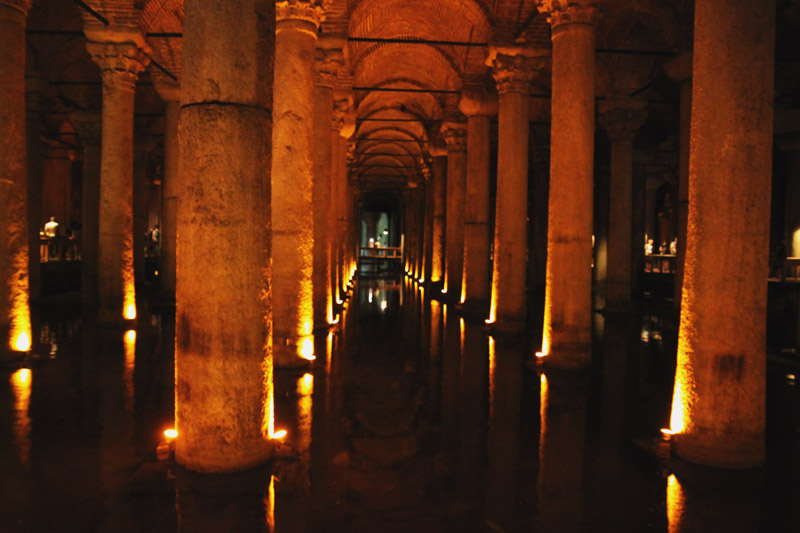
x=234 y=502
x=502 y=442
x=451 y=367
x=435 y=351
x=472 y=413
x=561 y=445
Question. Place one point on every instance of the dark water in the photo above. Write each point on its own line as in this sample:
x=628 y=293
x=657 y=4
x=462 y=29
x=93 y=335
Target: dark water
x=410 y=420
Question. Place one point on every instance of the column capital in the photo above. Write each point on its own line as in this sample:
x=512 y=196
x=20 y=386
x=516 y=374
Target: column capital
x=477 y=102
x=120 y=63
x=312 y=11
x=622 y=117
x=564 y=12
x=327 y=62
x=455 y=135
x=513 y=68
x=89 y=126
x=18 y=5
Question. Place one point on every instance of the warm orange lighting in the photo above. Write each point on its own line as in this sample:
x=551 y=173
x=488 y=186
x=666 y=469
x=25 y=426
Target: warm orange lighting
x=21 y=384
x=130 y=311
x=22 y=342
x=544 y=399
x=305 y=385
x=383 y=305
x=130 y=335
x=676 y=502
x=130 y=365
x=307 y=349
x=270 y=505
x=682 y=391
x=421 y=280
x=156 y=272
x=461 y=330
x=492 y=368
x=278 y=435
x=541 y=354
x=171 y=434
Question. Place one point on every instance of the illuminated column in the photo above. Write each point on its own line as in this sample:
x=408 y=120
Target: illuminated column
x=223 y=356
x=680 y=70
x=718 y=409
x=35 y=96
x=15 y=322
x=425 y=271
x=344 y=228
x=337 y=197
x=88 y=125
x=171 y=94
x=567 y=335
x=121 y=57
x=293 y=180
x=439 y=192
x=475 y=291
x=455 y=135
x=622 y=119
x=512 y=74
x=328 y=62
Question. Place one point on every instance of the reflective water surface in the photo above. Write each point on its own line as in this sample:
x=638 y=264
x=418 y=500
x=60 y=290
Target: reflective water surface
x=411 y=419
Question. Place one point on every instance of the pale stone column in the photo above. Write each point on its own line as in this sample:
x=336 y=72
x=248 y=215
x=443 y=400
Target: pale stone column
x=293 y=180
x=478 y=106
x=36 y=90
x=455 y=135
x=622 y=118
x=718 y=410
x=171 y=94
x=223 y=357
x=121 y=57
x=439 y=200
x=337 y=198
x=344 y=228
x=425 y=271
x=512 y=74
x=328 y=62
x=15 y=320
x=567 y=335
x=89 y=128
x=680 y=70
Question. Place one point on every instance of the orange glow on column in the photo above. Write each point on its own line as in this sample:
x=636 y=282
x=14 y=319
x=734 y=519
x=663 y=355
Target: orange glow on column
x=20 y=334
x=22 y=342
x=130 y=365
x=492 y=367
x=682 y=391
x=493 y=302
x=270 y=505
x=544 y=398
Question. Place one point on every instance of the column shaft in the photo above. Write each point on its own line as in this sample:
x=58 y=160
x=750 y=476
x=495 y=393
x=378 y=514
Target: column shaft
x=35 y=159
x=169 y=206
x=323 y=302
x=454 y=225
x=439 y=198
x=568 y=293
x=719 y=399
x=88 y=126
x=15 y=328
x=223 y=383
x=683 y=184
x=618 y=277
x=476 y=284
x=292 y=185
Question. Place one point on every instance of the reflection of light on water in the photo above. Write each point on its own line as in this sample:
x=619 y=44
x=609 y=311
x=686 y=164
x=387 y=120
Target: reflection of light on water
x=328 y=351
x=130 y=364
x=305 y=389
x=790 y=379
x=675 y=503
x=383 y=305
x=269 y=505
x=492 y=367
x=21 y=382
x=461 y=329
x=544 y=396
x=369 y=296
x=307 y=349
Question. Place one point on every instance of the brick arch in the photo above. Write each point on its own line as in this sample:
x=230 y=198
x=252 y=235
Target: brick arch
x=364 y=53
x=456 y=14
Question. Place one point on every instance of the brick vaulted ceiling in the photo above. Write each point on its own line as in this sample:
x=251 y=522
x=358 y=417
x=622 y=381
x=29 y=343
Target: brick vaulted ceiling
x=406 y=62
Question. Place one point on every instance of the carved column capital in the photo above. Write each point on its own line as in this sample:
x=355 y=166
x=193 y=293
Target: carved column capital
x=89 y=126
x=327 y=64
x=622 y=118
x=455 y=135
x=120 y=63
x=477 y=102
x=312 y=11
x=563 y=12
x=513 y=69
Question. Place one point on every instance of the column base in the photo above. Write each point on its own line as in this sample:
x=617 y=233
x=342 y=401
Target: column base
x=474 y=309
x=286 y=353
x=720 y=451
x=568 y=356
x=230 y=463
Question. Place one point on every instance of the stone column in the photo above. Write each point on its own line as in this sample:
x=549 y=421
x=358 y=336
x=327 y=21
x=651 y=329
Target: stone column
x=455 y=135
x=718 y=410
x=292 y=180
x=171 y=94
x=512 y=74
x=344 y=227
x=88 y=125
x=35 y=95
x=337 y=198
x=439 y=200
x=223 y=358
x=567 y=332
x=15 y=320
x=121 y=57
x=478 y=106
x=425 y=272
x=680 y=70
x=622 y=118
x=328 y=62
